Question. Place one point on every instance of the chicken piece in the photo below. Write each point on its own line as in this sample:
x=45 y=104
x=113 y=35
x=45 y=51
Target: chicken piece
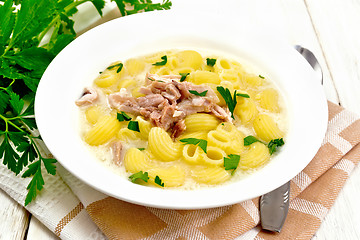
x=89 y=97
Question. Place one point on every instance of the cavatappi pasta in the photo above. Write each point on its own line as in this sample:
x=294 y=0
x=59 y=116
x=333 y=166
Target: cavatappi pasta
x=170 y=161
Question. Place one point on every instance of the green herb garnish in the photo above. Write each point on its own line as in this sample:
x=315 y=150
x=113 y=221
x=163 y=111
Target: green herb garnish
x=161 y=63
x=123 y=117
x=231 y=162
x=141 y=149
x=158 y=181
x=210 y=61
x=202 y=94
x=128 y=7
x=244 y=95
x=134 y=125
x=119 y=66
x=183 y=76
x=229 y=99
x=200 y=142
x=261 y=77
x=139 y=175
x=250 y=140
x=25 y=53
x=274 y=144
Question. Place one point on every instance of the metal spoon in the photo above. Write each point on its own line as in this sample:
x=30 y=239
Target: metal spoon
x=274 y=205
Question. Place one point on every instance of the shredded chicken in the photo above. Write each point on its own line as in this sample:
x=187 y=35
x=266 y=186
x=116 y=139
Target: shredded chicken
x=89 y=97
x=167 y=102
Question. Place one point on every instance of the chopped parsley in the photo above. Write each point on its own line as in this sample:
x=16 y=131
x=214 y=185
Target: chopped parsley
x=141 y=149
x=158 y=181
x=161 y=63
x=200 y=142
x=261 y=77
x=250 y=140
x=139 y=175
x=244 y=95
x=275 y=144
x=134 y=125
x=210 y=61
x=123 y=117
x=229 y=99
x=183 y=76
x=202 y=94
x=119 y=66
x=231 y=162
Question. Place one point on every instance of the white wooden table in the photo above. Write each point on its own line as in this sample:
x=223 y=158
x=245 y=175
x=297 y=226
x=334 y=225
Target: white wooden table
x=330 y=28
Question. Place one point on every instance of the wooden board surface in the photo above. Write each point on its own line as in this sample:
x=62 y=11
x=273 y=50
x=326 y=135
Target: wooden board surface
x=330 y=28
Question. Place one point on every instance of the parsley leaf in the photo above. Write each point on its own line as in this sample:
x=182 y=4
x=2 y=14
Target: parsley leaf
x=261 y=77
x=161 y=63
x=123 y=117
x=229 y=99
x=140 y=6
x=139 y=175
x=250 y=140
x=231 y=162
x=200 y=142
x=183 y=76
x=119 y=66
x=274 y=144
x=202 y=94
x=210 y=61
x=141 y=149
x=158 y=181
x=134 y=125
x=244 y=95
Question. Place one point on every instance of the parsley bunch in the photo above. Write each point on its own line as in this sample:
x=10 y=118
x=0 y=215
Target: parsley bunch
x=32 y=33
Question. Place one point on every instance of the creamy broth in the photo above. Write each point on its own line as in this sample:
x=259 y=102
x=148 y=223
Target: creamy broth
x=125 y=81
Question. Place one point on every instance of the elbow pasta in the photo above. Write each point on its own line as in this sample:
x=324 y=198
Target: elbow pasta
x=183 y=164
x=203 y=121
x=162 y=146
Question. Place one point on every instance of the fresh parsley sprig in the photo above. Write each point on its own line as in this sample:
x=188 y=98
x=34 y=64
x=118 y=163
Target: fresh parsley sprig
x=136 y=6
x=31 y=35
x=229 y=98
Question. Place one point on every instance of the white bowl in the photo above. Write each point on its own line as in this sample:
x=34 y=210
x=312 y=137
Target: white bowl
x=81 y=61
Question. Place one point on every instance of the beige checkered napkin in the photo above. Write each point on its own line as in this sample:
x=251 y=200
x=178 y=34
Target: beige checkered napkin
x=313 y=192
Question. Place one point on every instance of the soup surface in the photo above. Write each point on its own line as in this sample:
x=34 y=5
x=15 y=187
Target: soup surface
x=183 y=119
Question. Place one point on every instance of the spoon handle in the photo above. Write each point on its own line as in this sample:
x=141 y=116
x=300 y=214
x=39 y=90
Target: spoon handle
x=274 y=207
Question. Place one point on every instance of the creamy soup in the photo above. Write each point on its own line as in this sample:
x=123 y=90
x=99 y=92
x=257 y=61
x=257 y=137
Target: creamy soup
x=183 y=119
